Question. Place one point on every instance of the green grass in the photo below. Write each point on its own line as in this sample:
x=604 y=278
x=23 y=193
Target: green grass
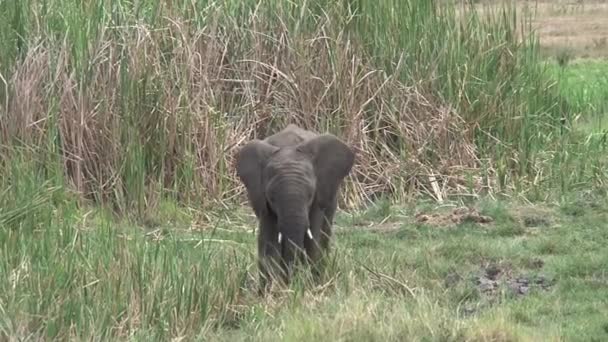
x=584 y=84
x=78 y=276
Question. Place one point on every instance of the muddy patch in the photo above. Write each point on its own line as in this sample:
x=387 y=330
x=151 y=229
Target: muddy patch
x=523 y=284
x=492 y=283
x=453 y=218
x=495 y=279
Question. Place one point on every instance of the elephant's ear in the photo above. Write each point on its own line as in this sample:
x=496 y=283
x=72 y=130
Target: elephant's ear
x=332 y=160
x=250 y=160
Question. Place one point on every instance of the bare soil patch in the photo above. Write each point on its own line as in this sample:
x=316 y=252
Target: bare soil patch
x=493 y=280
x=578 y=28
x=455 y=217
x=580 y=33
x=496 y=277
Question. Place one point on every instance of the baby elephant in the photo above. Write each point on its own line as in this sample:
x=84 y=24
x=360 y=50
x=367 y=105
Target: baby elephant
x=292 y=180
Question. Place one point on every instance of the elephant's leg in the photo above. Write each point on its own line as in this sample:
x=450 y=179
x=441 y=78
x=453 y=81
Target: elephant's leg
x=269 y=251
x=326 y=226
x=321 y=219
x=313 y=246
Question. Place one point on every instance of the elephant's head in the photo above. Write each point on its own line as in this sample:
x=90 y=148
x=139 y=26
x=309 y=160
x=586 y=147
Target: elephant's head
x=285 y=181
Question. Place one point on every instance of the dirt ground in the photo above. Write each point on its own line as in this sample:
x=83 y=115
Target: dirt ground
x=576 y=27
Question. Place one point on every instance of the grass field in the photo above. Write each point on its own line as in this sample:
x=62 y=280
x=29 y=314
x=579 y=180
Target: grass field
x=573 y=35
x=584 y=82
x=495 y=270
x=476 y=211
x=574 y=28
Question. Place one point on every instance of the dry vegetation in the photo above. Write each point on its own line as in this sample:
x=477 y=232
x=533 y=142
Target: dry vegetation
x=128 y=119
x=136 y=108
x=200 y=106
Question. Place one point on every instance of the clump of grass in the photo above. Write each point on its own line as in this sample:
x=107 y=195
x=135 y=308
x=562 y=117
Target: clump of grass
x=73 y=278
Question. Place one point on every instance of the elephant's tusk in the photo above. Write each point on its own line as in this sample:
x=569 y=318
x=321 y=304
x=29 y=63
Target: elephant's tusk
x=309 y=233
x=280 y=237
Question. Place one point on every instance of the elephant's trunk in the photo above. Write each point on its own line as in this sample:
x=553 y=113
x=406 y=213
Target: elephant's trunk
x=290 y=195
x=293 y=229
x=293 y=225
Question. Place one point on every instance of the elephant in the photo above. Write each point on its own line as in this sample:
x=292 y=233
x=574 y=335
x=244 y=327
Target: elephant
x=292 y=179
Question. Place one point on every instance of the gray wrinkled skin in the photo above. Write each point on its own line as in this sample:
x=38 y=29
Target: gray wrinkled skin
x=292 y=179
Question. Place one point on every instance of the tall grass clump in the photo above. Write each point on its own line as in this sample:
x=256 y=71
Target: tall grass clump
x=69 y=274
x=73 y=279
x=136 y=101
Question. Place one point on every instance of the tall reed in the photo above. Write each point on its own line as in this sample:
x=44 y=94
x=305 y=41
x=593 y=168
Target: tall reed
x=139 y=100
